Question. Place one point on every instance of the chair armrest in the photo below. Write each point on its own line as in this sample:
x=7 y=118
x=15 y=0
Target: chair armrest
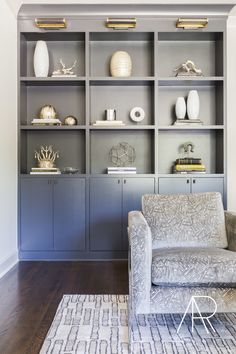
x=140 y=260
x=230 y=224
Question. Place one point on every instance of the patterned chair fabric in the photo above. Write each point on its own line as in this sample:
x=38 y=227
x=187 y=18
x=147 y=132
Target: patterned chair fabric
x=177 y=242
x=187 y=220
x=194 y=267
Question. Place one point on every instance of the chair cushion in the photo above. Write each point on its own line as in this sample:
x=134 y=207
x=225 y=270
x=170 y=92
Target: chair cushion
x=185 y=220
x=194 y=267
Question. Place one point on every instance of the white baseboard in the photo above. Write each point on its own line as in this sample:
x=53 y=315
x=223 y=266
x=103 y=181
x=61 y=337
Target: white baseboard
x=8 y=263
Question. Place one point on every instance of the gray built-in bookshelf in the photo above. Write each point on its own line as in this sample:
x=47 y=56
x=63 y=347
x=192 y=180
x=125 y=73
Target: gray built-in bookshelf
x=84 y=216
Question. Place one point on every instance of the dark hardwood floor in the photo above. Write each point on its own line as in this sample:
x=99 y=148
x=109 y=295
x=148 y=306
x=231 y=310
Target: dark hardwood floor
x=31 y=292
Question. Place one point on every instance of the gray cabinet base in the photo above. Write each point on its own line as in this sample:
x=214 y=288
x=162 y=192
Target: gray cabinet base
x=71 y=255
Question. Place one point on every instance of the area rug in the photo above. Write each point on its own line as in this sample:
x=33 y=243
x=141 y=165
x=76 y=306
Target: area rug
x=97 y=324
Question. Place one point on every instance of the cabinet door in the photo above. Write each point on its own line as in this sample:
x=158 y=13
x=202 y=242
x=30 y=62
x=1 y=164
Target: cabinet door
x=69 y=214
x=105 y=214
x=169 y=185
x=133 y=190
x=36 y=214
x=211 y=184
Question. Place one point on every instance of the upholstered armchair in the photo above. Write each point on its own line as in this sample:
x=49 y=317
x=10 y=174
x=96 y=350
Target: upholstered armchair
x=181 y=246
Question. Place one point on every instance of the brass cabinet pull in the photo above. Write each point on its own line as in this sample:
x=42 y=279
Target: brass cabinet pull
x=51 y=23
x=192 y=23
x=121 y=23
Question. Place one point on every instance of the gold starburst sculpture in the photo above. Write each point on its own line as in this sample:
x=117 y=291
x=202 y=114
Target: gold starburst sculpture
x=46 y=157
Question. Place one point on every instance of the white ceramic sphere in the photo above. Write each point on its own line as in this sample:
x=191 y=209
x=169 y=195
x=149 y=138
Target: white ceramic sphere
x=180 y=108
x=41 y=59
x=121 y=64
x=193 y=104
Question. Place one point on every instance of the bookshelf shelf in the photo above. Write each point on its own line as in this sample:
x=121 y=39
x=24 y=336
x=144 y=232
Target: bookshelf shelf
x=200 y=127
x=52 y=127
x=156 y=48
x=121 y=81
x=206 y=175
x=211 y=102
x=208 y=145
x=52 y=81
x=124 y=127
x=189 y=81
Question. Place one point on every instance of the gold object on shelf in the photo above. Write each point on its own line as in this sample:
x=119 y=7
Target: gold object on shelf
x=192 y=23
x=46 y=157
x=70 y=120
x=47 y=112
x=51 y=23
x=121 y=23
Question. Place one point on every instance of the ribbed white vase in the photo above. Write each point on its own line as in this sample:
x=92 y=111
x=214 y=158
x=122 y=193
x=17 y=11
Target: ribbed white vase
x=180 y=108
x=193 y=104
x=120 y=64
x=41 y=59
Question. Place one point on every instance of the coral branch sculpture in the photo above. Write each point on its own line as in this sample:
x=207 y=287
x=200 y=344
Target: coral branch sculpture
x=64 y=71
x=46 y=157
x=187 y=69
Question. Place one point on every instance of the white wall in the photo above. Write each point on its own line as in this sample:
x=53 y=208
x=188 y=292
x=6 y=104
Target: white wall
x=8 y=139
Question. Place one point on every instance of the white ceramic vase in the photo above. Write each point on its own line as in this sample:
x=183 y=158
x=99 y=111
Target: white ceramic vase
x=41 y=59
x=120 y=64
x=193 y=104
x=180 y=108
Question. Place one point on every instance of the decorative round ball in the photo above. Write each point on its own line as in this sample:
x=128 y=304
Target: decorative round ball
x=70 y=120
x=47 y=111
x=120 y=64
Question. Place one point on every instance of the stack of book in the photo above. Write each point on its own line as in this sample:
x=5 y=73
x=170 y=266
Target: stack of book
x=189 y=165
x=45 y=171
x=46 y=121
x=119 y=170
x=188 y=122
x=108 y=122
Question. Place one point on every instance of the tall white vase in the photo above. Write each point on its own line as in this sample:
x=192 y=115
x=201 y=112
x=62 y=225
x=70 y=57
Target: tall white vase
x=41 y=59
x=180 y=108
x=193 y=104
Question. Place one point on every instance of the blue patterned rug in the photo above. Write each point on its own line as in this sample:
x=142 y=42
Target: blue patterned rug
x=97 y=324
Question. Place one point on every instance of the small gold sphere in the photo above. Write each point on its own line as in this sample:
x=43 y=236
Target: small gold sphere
x=70 y=120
